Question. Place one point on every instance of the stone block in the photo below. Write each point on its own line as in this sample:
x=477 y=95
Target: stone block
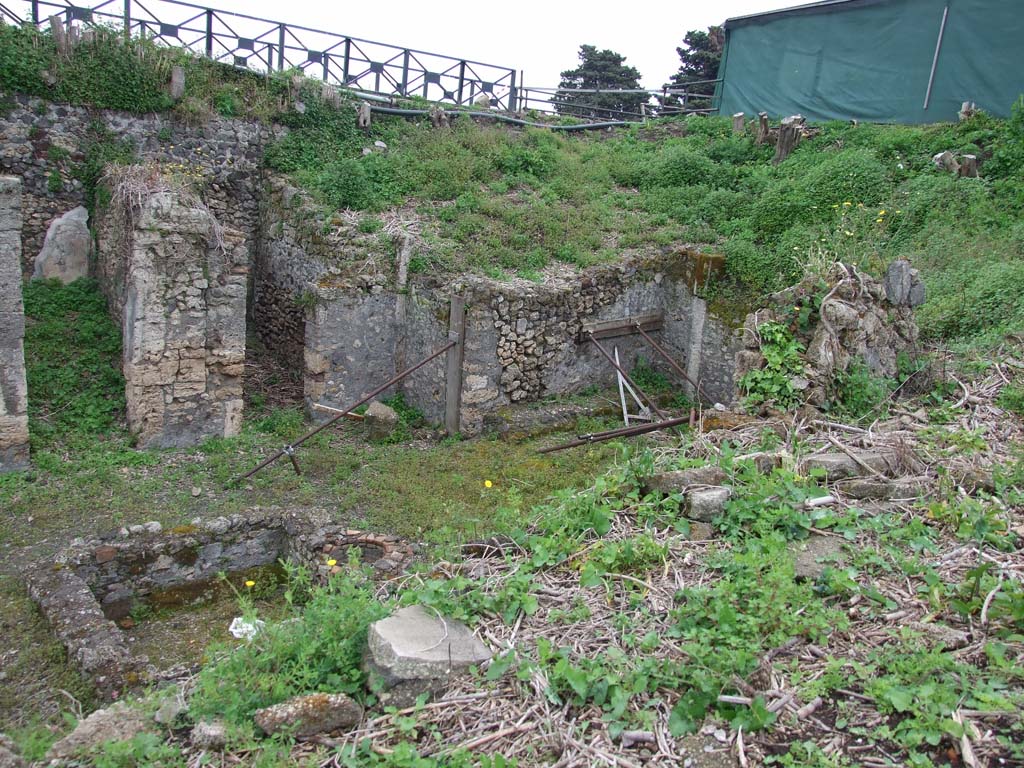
x=118 y=722
x=814 y=554
x=66 y=249
x=840 y=466
x=678 y=481
x=707 y=504
x=310 y=715
x=416 y=651
x=381 y=420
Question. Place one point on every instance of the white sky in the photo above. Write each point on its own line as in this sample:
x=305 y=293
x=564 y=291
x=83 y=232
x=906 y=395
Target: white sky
x=542 y=38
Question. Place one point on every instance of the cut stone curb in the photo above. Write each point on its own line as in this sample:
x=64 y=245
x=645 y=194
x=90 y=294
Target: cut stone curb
x=840 y=466
x=416 y=651
x=310 y=715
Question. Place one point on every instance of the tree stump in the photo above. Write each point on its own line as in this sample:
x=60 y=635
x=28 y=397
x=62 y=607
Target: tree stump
x=790 y=133
x=738 y=125
x=969 y=167
x=762 y=128
x=967 y=110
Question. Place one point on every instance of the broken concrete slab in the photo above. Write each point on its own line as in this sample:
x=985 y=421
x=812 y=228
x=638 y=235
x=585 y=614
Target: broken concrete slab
x=678 y=481
x=814 y=554
x=381 y=421
x=880 y=489
x=416 y=651
x=707 y=504
x=310 y=715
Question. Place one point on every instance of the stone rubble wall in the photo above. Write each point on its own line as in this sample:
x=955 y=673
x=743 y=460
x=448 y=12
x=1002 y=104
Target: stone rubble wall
x=14 y=445
x=176 y=283
x=39 y=139
x=860 y=319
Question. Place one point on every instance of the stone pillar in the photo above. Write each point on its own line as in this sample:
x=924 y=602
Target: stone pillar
x=177 y=281
x=13 y=390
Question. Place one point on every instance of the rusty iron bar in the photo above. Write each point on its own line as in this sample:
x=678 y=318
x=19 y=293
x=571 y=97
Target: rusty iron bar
x=600 y=437
x=668 y=358
x=625 y=375
x=288 y=450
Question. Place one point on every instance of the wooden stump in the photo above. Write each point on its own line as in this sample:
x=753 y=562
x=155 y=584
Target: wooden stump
x=790 y=133
x=738 y=125
x=967 y=110
x=969 y=167
x=762 y=128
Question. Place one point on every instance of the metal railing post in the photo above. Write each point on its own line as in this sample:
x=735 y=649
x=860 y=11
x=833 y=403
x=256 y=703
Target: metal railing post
x=35 y=12
x=209 y=34
x=127 y=19
x=327 y=67
x=462 y=80
x=405 y=71
x=512 y=93
x=348 y=56
x=280 y=48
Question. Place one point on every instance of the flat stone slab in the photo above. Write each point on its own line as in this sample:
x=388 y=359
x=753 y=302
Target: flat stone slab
x=416 y=651
x=118 y=722
x=814 y=554
x=840 y=466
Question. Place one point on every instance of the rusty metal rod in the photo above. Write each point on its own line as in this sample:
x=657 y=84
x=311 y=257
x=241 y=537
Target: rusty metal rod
x=288 y=449
x=672 y=362
x=625 y=375
x=624 y=432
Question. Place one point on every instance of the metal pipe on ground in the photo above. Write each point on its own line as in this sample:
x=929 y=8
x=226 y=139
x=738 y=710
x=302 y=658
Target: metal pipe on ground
x=612 y=434
x=289 y=450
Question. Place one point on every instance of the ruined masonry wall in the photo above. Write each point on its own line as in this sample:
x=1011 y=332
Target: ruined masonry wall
x=13 y=391
x=177 y=286
x=43 y=143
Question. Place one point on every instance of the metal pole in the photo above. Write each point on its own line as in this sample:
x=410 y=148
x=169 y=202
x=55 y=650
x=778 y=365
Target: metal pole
x=621 y=370
x=624 y=432
x=462 y=80
x=453 y=372
x=670 y=361
x=391 y=382
x=127 y=19
x=327 y=67
x=405 y=71
x=209 y=34
x=935 y=58
x=280 y=48
x=35 y=12
x=512 y=93
x=345 y=63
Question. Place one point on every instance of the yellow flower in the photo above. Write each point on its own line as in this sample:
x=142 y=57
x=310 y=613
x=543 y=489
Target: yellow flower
x=332 y=562
x=897 y=210
x=860 y=205
x=879 y=220
x=882 y=212
x=848 y=233
x=847 y=204
x=836 y=205
x=250 y=584
x=488 y=483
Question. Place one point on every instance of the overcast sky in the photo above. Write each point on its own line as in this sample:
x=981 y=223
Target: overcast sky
x=540 y=37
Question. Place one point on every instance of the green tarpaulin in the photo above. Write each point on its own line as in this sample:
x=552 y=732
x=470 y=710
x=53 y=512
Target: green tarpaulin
x=872 y=60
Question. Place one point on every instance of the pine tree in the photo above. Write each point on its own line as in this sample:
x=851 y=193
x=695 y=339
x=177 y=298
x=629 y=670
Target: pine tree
x=600 y=70
x=700 y=56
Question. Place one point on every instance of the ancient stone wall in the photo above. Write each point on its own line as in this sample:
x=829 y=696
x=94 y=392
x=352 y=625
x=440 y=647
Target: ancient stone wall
x=176 y=282
x=13 y=392
x=47 y=144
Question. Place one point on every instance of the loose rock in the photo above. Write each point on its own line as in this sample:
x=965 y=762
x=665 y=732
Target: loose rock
x=814 y=554
x=706 y=505
x=66 y=249
x=679 y=480
x=381 y=420
x=212 y=736
x=118 y=722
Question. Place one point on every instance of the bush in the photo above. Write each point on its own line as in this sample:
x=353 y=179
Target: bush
x=678 y=166
x=321 y=650
x=758 y=269
x=783 y=204
x=851 y=175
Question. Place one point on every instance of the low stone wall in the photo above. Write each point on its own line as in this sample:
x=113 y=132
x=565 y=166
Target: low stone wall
x=176 y=282
x=95 y=582
x=13 y=391
x=45 y=144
